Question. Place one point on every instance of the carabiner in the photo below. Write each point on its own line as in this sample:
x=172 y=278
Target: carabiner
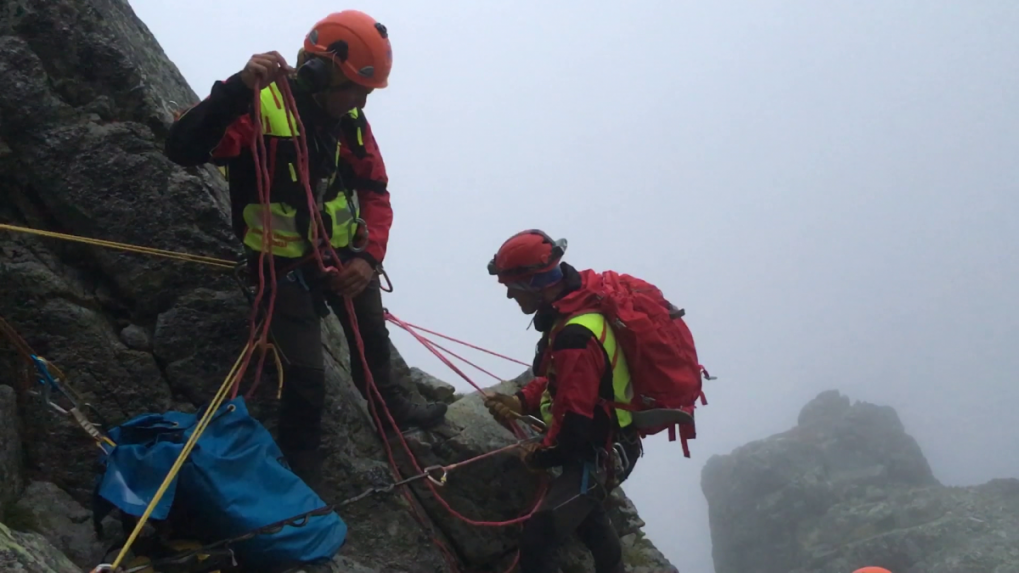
x=535 y=424
x=103 y=568
x=440 y=481
x=621 y=461
x=382 y=274
x=358 y=222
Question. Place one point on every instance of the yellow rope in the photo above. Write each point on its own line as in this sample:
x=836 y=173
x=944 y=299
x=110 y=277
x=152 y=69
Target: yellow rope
x=213 y=406
x=220 y=394
x=212 y=261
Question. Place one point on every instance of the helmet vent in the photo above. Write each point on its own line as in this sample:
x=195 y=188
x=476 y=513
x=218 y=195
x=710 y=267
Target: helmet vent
x=339 y=49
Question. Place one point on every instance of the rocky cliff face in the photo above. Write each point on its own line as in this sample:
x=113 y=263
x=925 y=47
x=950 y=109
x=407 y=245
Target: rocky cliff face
x=848 y=487
x=88 y=97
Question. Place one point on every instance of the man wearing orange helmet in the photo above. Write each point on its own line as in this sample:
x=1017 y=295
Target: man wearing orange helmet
x=573 y=372
x=345 y=57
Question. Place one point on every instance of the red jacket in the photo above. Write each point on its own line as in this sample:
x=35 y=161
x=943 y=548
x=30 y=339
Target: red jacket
x=219 y=130
x=580 y=425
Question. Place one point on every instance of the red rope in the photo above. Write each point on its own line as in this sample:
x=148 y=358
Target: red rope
x=428 y=344
x=404 y=325
x=373 y=395
x=462 y=359
x=264 y=183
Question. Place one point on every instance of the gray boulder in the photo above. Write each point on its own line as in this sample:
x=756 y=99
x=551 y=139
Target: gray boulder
x=49 y=511
x=501 y=489
x=31 y=553
x=848 y=487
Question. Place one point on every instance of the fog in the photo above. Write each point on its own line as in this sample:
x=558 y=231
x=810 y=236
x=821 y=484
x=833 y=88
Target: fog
x=825 y=187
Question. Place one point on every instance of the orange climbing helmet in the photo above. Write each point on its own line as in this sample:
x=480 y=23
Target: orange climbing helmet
x=356 y=43
x=872 y=570
x=526 y=255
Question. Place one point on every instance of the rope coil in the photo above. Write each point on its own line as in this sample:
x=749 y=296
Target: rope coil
x=259 y=331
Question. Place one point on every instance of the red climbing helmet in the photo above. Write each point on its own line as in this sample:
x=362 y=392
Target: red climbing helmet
x=357 y=44
x=872 y=570
x=526 y=254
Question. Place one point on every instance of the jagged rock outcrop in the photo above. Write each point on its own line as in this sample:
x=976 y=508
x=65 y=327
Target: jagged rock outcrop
x=46 y=509
x=88 y=98
x=499 y=489
x=848 y=487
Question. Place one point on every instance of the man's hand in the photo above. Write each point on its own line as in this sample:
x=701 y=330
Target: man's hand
x=526 y=452
x=264 y=69
x=352 y=279
x=504 y=408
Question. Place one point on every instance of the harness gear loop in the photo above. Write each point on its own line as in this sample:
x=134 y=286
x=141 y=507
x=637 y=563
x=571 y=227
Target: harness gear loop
x=623 y=459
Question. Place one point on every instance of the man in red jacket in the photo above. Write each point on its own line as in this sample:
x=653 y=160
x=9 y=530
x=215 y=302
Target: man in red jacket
x=574 y=375
x=345 y=57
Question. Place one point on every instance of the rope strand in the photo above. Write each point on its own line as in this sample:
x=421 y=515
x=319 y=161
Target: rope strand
x=213 y=261
x=259 y=330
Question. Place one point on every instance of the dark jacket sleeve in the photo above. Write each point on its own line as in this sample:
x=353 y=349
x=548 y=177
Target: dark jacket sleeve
x=580 y=363
x=217 y=127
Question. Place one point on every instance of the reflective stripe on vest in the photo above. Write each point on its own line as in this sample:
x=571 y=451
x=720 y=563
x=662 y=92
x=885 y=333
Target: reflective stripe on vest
x=286 y=241
x=622 y=389
x=339 y=214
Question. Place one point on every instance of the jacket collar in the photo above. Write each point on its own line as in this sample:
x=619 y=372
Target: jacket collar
x=547 y=315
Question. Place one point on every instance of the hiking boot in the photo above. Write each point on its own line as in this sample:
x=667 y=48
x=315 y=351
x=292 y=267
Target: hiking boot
x=307 y=465
x=408 y=414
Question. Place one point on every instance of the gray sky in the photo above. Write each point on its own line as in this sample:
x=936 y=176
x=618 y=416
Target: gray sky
x=823 y=186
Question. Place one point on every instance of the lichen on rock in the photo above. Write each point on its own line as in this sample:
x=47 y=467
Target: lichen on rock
x=31 y=553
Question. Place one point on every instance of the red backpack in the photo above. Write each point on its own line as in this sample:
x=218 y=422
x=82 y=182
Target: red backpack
x=659 y=349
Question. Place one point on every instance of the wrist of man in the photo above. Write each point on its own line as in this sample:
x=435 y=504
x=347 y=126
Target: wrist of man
x=364 y=256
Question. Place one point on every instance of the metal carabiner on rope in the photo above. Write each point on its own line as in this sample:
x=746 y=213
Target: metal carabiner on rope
x=358 y=222
x=621 y=461
x=382 y=274
x=428 y=474
x=49 y=384
x=538 y=426
x=104 y=568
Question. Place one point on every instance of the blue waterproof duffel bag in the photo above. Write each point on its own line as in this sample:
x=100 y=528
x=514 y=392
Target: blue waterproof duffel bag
x=234 y=481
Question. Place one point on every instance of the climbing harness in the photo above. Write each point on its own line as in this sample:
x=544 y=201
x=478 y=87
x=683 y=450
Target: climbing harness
x=435 y=474
x=259 y=331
